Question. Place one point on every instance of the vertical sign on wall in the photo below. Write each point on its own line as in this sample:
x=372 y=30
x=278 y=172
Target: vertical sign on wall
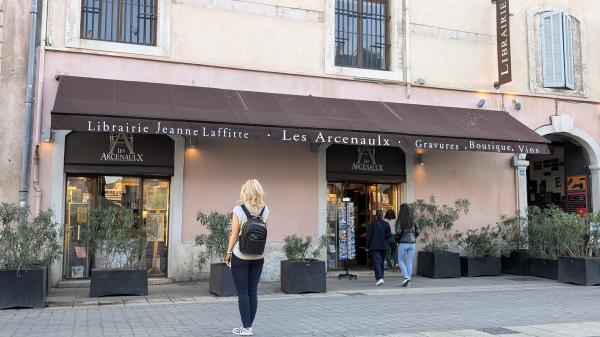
x=503 y=42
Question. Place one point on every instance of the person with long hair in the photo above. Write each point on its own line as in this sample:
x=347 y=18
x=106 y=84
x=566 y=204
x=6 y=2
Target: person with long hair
x=407 y=232
x=246 y=268
x=391 y=257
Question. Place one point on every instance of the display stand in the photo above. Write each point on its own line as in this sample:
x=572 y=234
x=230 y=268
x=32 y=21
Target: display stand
x=346 y=236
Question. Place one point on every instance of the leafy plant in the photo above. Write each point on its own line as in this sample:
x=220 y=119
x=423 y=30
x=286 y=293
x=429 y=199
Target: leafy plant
x=482 y=242
x=296 y=249
x=593 y=237
x=115 y=238
x=437 y=222
x=554 y=233
x=513 y=233
x=216 y=240
x=35 y=242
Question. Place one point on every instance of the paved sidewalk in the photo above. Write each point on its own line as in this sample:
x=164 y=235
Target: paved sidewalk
x=496 y=306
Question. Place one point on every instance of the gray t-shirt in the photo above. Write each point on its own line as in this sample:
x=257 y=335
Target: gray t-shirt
x=239 y=213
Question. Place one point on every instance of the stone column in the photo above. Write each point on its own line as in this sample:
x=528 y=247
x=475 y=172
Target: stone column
x=520 y=163
x=595 y=176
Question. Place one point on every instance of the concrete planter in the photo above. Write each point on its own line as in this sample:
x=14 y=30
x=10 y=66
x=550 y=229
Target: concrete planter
x=543 y=268
x=221 y=281
x=480 y=266
x=438 y=265
x=115 y=282
x=23 y=289
x=583 y=271
x=299 y=277
x=517 y=263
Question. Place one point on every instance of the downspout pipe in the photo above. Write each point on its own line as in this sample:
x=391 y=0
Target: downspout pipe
x=407 y=60
x=28 y=117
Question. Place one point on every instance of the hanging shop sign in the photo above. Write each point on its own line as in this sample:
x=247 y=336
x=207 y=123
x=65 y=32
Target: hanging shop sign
x=503 y=42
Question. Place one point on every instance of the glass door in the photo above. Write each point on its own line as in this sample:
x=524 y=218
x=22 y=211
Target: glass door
x=79 y=195
x=155 y=217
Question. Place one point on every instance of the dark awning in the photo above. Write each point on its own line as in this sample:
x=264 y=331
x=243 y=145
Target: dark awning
x=89 y=104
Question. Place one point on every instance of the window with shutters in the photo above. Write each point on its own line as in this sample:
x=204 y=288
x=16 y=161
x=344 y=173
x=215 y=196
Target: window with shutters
x=557 y=50
x=361 y=34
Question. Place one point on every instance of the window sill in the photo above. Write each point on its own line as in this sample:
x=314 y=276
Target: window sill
x=363 y=73
x=116 y=47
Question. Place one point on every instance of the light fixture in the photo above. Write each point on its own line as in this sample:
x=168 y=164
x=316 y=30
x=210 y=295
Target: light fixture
x=47 y=135
x=481 y=103
x=517 y=104
x=191 y=142
x=421 y=159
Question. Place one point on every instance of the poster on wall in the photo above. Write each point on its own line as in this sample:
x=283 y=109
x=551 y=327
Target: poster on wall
x=155 y=223
x=577 y=195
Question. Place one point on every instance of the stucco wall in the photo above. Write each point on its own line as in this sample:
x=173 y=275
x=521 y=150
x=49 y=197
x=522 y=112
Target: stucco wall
x=486 y=179
x=14 y=28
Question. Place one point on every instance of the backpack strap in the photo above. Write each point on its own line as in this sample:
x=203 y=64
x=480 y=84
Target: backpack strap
x=247 y=212
x=261 y=212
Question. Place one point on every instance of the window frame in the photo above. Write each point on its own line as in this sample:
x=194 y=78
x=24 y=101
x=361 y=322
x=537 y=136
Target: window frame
x=361 y=59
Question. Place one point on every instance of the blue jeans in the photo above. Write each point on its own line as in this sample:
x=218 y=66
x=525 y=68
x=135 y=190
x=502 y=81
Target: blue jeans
x=405 y=257
x=246 y=274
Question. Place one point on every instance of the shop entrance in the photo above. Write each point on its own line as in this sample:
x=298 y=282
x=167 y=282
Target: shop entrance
x=354 y=204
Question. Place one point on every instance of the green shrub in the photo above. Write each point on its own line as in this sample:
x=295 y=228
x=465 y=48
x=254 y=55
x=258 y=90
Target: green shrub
x=216 y=240
x=482 y=242
x=35 y=242
x=437 y=222
x=512 y=231
x=554 y=233
x=115 y=238
x=297 y=249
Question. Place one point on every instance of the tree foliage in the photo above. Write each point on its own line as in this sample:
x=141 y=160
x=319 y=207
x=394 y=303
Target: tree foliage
x=215 y=242
x=297 y=249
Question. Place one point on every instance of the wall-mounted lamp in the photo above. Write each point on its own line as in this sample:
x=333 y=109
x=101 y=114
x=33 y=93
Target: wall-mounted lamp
x=47 y=135
x=421 y=159
x=517 y=104
x=191 y=142
x=481 y=103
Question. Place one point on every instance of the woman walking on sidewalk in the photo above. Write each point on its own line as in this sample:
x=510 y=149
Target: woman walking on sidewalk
x=392 y=254
x=246 y=267
x=378 y=238
x=407 y=232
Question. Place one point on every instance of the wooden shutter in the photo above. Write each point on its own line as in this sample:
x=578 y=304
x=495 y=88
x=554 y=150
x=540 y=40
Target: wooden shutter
x=553 y=50
x=569 y=53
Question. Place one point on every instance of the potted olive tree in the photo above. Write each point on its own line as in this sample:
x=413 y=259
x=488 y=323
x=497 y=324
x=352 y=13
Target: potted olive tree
x=582 y=265
x=301 y=273
x=481 y=249
x=118 y=245
x=434 y=260
x=513 y=234
x=214 y=244
x=26 y=250
x=549 y=231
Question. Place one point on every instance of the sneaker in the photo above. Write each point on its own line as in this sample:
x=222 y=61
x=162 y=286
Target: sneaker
x=406 y=282
x=380 y=282
x=242 y=331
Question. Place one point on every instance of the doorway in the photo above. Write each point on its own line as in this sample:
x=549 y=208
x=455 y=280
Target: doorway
x=355 y=204
x=147 y=197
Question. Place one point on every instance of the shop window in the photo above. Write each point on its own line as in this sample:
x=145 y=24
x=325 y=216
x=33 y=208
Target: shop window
x=126 y=21
x=362 y=34
x=557 y=50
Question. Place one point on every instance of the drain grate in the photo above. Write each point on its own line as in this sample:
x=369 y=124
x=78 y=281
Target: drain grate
x=498 y=331
x=525 y=278
x=355 y=294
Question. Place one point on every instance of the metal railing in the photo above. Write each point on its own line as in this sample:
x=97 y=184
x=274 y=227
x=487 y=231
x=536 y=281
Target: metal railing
x=127 y=21
x=361 y=34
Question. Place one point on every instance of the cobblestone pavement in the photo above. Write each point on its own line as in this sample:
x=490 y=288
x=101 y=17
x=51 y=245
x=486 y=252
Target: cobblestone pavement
x=501 y=306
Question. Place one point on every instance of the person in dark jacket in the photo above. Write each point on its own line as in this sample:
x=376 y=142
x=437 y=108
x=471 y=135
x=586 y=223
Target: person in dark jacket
x=378 y=238
x=407 y=232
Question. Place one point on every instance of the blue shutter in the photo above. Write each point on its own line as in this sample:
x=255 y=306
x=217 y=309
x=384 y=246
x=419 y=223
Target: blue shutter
x=569 y=53
x=553 y=50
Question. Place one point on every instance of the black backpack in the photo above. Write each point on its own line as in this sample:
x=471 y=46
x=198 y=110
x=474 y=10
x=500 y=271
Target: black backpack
x=254 y=234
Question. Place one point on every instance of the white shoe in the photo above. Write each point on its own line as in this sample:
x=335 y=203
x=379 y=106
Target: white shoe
x=405 y=282
x=242 y=331
x=379 y=282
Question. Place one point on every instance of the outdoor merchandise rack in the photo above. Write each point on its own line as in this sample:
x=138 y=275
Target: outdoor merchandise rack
x=347 y=240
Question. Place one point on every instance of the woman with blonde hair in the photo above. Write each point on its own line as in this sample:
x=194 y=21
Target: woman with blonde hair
x=246 y=268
